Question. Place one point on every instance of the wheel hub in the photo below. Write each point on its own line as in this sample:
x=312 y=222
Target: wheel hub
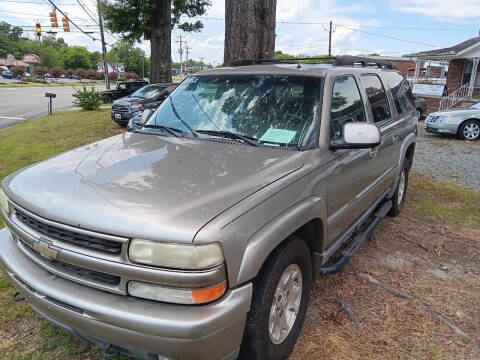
x=471 y=131
x=286 y=304
x=401 y=187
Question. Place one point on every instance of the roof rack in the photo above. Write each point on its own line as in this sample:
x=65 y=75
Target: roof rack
x=347 y=60
x=246 y=62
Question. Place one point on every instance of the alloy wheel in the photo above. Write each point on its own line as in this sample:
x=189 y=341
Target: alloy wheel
x=471 y=131
x=286 y=304
x=401 y=187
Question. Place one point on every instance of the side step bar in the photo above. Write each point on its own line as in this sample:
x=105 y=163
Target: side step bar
x=354 y=245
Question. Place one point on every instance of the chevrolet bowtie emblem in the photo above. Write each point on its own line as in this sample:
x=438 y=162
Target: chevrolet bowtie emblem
x=45 y=250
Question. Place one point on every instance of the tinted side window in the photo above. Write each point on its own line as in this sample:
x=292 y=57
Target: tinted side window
x=347 y=105
x=402 y=95
x=377 y=98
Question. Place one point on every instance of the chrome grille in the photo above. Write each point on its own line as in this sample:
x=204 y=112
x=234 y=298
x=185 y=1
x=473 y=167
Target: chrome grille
x=74 y=270
x=90 y=242
x=120 y=109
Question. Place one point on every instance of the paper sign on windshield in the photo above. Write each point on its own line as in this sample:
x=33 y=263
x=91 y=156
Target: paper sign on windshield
x=278 y=135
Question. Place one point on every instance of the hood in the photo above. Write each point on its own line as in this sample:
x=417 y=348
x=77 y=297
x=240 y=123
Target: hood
x=127 y=101
x=147 y=186
x=462 y=111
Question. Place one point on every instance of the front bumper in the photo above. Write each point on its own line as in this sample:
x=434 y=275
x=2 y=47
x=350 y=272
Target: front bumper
x=121 y=118
x=440 y=128
x=137 y=327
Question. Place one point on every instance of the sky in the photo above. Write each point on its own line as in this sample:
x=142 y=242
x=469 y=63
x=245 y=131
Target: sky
x=388 y=27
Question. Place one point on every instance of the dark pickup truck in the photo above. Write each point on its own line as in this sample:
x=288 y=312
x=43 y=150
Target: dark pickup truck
x=123 y=89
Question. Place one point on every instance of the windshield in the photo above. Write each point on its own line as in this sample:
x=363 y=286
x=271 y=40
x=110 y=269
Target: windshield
x=148 y=91
x=475 y=106
x=276 y=110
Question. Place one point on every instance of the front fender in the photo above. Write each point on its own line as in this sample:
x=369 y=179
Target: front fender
x=273 y=233
x=409 y=140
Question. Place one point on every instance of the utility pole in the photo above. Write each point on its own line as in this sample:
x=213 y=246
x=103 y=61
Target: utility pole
x=330 y=42
x=104 y=48
x=201 y=61
x=180 y=51
x=187 y=51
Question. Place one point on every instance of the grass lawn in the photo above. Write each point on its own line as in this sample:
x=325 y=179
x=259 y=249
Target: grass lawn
x=439 y=227
x=36 y=84
x=35 y=140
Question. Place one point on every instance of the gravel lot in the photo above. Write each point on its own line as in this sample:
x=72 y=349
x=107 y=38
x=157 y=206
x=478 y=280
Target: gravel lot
x=448 y=158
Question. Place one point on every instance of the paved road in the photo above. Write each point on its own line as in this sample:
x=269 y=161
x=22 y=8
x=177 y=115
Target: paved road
x=30 y=102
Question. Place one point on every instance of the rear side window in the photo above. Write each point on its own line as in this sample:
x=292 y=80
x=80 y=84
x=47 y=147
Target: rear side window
x=402 y=95
x=377 y=98
x=347 y=105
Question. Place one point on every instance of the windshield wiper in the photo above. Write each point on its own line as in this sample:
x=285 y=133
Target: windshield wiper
x=228 y=134
x=171 y=130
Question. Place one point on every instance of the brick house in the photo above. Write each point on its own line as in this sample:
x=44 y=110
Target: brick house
x=404 y=64
x=459 y=70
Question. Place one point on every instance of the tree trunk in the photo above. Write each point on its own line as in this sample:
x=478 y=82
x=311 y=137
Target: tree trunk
x=249 y=30
x=160 y=43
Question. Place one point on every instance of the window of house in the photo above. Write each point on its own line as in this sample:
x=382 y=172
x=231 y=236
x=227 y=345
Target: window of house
x=467 y=73
x=402 y=95
x=377 y=98
x=347 y=105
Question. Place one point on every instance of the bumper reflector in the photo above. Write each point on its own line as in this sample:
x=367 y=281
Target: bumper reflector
x=176 y=295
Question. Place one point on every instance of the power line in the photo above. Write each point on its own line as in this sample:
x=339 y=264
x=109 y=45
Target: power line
x=357 y=25
x=83 y=6
x=388 y=37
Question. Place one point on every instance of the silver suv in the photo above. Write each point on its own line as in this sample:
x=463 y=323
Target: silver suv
x=199 y=234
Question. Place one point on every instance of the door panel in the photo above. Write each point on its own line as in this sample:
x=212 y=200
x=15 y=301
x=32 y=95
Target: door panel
x=352 y=180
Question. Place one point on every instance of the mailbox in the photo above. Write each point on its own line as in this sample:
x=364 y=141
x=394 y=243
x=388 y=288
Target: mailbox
x=50 y=96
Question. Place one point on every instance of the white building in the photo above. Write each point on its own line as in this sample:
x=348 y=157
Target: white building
x=112 y=67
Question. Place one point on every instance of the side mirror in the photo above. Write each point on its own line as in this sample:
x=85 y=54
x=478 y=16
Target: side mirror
x=146 y=114
x=358 y=135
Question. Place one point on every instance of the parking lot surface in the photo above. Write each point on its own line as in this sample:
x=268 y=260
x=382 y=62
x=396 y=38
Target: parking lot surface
x=17 y=103
x=448 y=158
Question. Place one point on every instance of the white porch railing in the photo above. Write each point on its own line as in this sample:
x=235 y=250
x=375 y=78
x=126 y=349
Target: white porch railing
x=454 y=98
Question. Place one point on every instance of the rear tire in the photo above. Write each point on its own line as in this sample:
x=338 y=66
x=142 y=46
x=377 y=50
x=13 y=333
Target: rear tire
x=398 y=199
x=108 y=100
x=279 y=304
x=469 y=130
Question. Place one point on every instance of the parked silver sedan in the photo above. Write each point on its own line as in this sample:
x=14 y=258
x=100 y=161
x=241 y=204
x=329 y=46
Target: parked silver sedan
x=465 y=122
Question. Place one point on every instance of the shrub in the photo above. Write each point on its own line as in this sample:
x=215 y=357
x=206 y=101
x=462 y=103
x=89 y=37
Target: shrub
x=17 y=70
x=99 y=75
x=70 y=71
x=131 y=76
x=113 y=75
x=88 y=99
x=57 y=72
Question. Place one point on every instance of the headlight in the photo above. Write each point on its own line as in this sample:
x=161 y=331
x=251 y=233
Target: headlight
x=3 y=201
x=445 y=119
x=177 y=256
x=136 y=107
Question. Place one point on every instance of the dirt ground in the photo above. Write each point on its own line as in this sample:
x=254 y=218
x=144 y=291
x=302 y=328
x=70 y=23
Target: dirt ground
x=428 y=253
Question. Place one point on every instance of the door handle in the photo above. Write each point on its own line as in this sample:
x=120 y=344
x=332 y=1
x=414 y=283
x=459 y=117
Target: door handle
x=395 y=138
x=373 y=153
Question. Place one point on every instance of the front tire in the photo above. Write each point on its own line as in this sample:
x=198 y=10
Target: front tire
x=418 y=112
x=469 y=130
x=280 y=299
x=398 y=199
x=108 y=99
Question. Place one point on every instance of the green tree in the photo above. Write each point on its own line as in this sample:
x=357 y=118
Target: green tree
x=77 y=57
x=132 y=57
x=154 y=20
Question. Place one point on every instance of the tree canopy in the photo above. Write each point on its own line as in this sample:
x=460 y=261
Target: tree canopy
x=153 y=20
